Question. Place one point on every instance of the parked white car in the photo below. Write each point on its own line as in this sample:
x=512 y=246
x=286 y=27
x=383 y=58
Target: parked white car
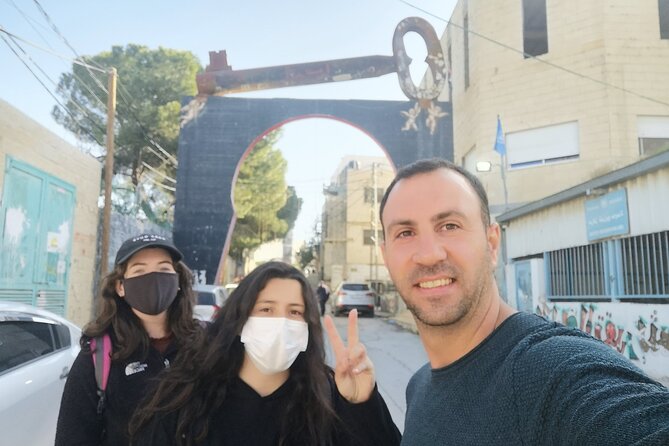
x=208 y=300
x=37 y=349
x=354 y=295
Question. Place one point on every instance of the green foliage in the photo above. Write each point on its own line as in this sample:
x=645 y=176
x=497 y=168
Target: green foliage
x=151 y=84
x=266 y=208
x=291 y=209
x=306 y=254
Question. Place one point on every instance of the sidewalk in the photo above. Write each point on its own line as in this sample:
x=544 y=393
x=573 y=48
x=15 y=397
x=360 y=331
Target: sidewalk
x=403 y=319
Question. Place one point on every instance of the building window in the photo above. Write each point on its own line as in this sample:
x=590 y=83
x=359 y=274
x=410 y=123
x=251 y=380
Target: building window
x=369 y=194
x=367 y=236
x=535 y=31
x=653 y=134
x=663 y=9
x=653 y=146
x=466 y=49
x=536 y=147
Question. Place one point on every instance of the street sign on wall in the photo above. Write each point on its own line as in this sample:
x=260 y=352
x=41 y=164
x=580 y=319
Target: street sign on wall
x=607 y=216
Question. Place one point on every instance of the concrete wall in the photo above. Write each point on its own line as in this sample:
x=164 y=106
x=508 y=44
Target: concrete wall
x=25 y=140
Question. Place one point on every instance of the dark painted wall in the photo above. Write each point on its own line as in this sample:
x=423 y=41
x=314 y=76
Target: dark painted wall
x=213 y=141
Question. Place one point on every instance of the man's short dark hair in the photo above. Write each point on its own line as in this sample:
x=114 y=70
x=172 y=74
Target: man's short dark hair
x=430 y=165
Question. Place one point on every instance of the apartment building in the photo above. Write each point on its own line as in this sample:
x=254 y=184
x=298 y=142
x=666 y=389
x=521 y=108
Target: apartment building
x=581 y=89
x=349 y=245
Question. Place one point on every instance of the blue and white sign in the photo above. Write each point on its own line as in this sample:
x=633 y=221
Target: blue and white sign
x=607 y=216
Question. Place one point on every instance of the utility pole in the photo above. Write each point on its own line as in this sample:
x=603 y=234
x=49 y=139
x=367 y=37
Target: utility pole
x=109 y=168
x=375 y=237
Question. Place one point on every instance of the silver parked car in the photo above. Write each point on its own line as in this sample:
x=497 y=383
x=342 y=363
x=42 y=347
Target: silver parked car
x=350 y=295
x=37 y=349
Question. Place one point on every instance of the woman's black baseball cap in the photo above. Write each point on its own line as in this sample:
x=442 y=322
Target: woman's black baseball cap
x=139 y=242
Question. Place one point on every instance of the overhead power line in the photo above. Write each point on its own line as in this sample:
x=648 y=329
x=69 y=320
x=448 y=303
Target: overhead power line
x=74 y=118
x=101 y=86
x=30 y=21
x=131 y=108
x=62 y=37
x=538 y=59
x=157 y=172
x=60 y=56
x=167 y=156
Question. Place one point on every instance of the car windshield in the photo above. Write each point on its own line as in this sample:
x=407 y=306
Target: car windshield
x=355 y=287
x=205 y=298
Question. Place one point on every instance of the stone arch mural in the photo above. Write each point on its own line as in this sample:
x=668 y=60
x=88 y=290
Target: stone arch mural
x=217 y=132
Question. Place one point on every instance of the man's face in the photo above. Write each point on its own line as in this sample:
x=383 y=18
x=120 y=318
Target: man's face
x=439 y=253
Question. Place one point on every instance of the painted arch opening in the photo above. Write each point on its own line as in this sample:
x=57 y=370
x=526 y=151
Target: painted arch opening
x=218 y=134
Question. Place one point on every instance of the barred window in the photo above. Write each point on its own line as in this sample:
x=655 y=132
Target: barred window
x=578 y=271
x=645 y=260
x=629 y=268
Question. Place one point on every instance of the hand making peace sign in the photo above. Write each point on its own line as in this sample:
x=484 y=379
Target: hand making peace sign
x=354 y=371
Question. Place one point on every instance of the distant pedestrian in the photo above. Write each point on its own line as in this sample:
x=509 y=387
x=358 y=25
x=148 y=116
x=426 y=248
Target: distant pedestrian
x=323 y=293
x=145 y=306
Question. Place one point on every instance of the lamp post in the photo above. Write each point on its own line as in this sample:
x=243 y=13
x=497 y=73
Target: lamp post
x=486 y=166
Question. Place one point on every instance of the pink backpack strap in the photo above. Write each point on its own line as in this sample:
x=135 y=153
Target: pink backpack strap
x=102 y=365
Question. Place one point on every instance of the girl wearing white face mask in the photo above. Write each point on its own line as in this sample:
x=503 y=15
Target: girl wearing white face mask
x=260 y=378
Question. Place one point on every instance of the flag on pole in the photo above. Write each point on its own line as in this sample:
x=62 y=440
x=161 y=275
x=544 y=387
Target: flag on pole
x=500 y=144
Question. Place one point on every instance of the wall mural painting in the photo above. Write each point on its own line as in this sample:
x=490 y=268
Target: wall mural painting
x=640 y=332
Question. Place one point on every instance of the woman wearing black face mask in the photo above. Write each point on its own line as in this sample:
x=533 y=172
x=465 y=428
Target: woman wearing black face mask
x=146 y=309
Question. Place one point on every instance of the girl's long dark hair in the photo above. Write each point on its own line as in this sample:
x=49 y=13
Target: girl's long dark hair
x=117 y=318
x=196 y=385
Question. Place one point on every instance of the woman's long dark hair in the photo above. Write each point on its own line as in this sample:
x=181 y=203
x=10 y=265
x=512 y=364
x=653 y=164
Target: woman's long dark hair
x=116 y=316
x=197 y=383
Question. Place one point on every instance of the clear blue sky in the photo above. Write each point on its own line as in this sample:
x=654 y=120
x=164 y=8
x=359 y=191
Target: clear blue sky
x=255 y=34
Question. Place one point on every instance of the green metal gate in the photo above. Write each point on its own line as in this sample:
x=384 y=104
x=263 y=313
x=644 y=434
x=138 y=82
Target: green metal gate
x=36 y=227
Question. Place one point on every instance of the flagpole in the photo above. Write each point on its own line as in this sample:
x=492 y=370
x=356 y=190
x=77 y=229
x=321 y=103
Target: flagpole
x=506 y=192
x=500 y=147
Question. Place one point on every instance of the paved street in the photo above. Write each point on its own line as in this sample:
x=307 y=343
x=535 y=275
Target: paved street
x=396 y=354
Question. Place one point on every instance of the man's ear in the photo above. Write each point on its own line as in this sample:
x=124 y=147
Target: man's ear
x=494 y=237
x=119 y=288
x=382 y=245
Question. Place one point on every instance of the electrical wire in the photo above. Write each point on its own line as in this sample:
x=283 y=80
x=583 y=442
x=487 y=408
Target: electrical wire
x=30 y=21
x=99 y=68
x=75 y=119
x=100 y=85
x=131 y=108
x=81 y=109
x=538 y=59
x=157 y=172
x=53 y=53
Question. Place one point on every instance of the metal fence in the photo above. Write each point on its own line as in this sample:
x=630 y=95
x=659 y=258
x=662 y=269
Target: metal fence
x=629 y=268
x=645 y=260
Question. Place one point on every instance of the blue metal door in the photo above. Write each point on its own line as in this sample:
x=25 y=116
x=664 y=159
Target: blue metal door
x=36 y=237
